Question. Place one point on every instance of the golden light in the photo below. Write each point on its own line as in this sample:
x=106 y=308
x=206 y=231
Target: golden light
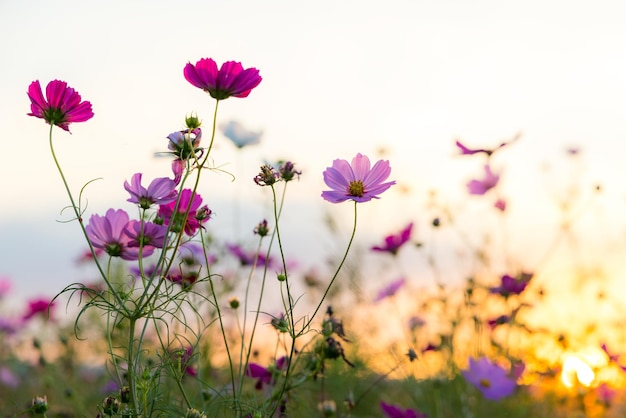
x=575 y=371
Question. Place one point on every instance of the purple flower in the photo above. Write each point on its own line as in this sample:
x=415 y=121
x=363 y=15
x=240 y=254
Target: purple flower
x=8 y=377
x=62 y=107
x=481 y=187
x=491 y=379
x=389 y=290
x=195 y=218
x=471 y=151
x=230 y=80
x=38 y=306
x=394 y=411
x=239 y=135
x=161 y=191
x=265 y=375
x=108 y=233
x=356 y=181
x=148 y=235
x=394 y=242
x=247 y=258
x=512 y=285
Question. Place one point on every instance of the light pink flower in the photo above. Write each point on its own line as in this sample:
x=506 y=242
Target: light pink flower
x=230 y=80
x=62 y=107
x=356 y=181
x=240 y=135
x=5 y=286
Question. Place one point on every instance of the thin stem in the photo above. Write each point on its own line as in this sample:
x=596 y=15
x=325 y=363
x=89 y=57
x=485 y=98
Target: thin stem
x=343 y=260
x=79 y=218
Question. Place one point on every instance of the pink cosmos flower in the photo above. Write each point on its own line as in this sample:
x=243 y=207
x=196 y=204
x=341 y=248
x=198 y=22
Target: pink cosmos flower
x=394 y=242
x=491 y=379
x=481 y=187
x=196 y=217
x=265 y=375
x=500 y=204
x=389 y=290
x=161 y=191
x=239 y=135
x=62 y=107
x=5 y=286
x=394 y=411
x=512 y=285
x=38 y=306
x=230 y=80
x=108 y=233
x=356 y=181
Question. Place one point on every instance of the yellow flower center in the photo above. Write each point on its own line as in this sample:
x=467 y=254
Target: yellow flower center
x=356 y=188
x=485 y=383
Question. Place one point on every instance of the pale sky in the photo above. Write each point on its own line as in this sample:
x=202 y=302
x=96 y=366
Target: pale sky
x=339 y=77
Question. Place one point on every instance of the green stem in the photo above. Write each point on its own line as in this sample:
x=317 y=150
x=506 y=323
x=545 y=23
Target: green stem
x=79 y=218
x=343 y=260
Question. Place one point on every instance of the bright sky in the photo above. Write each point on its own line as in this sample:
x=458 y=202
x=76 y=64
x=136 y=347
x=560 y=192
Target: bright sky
x=339 y=77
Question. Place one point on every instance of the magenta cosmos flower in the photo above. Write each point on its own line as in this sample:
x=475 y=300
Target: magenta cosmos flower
x=482 y=186
x=356 y=181
x=394 y=411
x=196 y=217
x=265 y=375
x=230 y=80
x=510 y=285
x=38 y=306
x=491 y=379
x=161 y=191
x=394 y=242
x=62 y=107
x=108 y=233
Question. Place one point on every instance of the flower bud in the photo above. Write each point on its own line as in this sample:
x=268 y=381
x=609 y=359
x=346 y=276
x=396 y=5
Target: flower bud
x=40 y=404
x=281 y=277
x=267 y=176
x=262 y=229
x=288 y=171
x=125 y=394
x=233 y=302
x=110 y=405
x=194 y=413
x=192 y=122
